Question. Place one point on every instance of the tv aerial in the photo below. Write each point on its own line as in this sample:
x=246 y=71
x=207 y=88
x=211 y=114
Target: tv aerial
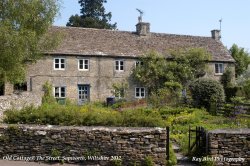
x=141 y=14
x=220 y=26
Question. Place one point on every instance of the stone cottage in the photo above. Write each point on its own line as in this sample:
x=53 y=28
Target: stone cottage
x=89 y=61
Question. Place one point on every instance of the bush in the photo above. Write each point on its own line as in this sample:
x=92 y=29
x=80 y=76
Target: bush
x=246 y=89
x=230 y=92
x=205 y=91
x=168 y=95
x=87 y=115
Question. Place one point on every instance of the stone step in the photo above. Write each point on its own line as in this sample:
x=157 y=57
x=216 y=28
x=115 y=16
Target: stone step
x=176 y=148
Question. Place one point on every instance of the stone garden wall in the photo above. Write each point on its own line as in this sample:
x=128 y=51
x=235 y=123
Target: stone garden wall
x=19 y=101
x=90 y=145
x=230 y=147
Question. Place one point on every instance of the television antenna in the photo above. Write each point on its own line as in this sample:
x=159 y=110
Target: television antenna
x=220 y=26
x=220 y=23
x=141 y=14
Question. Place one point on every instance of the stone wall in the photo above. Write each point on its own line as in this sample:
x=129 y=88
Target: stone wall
x=89 y=145
x=18 y=101
x=230 y=147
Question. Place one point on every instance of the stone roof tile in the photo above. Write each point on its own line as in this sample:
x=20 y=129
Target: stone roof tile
x=102 y=42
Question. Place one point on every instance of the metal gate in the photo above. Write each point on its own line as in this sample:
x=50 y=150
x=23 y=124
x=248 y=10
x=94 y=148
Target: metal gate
x=197 y=142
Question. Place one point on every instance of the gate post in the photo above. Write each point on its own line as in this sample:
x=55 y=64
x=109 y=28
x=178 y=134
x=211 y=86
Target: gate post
x=189 y=141
x=167 y=143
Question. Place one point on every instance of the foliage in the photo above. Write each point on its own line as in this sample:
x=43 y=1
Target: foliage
x=240 y=80
x=55 y=153
x=246 y=89
x=23 y=24
x=182 y=67
x=191 y=64
x=172 y=157
x=169 y=95
x=87 y=115
x=205 y=91
x=93 y=15
x=227 y=78
x=241 y=57
x=47 y=97
x=148 y=161
x=119 y=89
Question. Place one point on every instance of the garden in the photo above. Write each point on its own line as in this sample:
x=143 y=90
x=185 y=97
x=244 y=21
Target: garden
x=178 y=101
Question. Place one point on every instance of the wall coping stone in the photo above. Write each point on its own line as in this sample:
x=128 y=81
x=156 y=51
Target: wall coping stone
x=87 y=128
x=230 y=131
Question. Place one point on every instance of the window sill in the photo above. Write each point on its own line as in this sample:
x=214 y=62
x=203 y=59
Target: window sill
x=60 y=69
x=218 y=74
x=83 y=69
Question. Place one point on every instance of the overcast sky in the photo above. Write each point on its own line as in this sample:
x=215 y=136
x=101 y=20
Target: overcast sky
x=187 y=17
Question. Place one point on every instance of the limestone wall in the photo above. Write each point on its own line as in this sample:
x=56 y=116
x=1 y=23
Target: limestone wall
x=88 y=145
x=18 y=101
x=230 y=147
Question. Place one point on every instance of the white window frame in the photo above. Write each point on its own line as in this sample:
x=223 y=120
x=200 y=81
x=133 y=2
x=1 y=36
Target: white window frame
x=84 y=64
x=138 y=63
x=220 y=68
x=60 y=91
x=60 y=64
x=140 y=92
x=119 y=65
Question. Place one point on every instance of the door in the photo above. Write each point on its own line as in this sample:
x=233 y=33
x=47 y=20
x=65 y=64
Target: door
x=83 y=94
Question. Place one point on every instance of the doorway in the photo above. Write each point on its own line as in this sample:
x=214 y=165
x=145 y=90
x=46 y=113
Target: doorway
x=83 y=94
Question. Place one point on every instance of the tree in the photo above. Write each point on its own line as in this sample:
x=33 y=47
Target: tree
x=23 y=25
x=92 y=16
x=241 y=57
x=182 y=67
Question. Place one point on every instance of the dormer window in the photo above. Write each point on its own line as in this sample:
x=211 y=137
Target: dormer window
x=59 y=63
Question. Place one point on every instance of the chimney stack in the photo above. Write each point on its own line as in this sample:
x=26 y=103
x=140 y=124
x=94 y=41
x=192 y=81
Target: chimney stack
x=216 y=34
x=143 y=28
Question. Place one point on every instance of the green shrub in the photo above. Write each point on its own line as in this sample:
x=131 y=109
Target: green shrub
x=148 y=161
x=47 y=97
x=231 y=92
x=87 y=115
x=142 y=117
x=205 y=91
x=246 y=89
x=172 y=157
x=168 y=95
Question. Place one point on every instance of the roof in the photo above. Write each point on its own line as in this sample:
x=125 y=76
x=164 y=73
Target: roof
x=103 y=42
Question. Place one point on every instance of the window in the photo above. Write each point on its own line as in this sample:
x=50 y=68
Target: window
x=139 y=92
x=20 y=87
x=138 y=63
x=219 y=68
x=83 y=64
x=59 y=63
x=119 y=65
x=60 y=92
